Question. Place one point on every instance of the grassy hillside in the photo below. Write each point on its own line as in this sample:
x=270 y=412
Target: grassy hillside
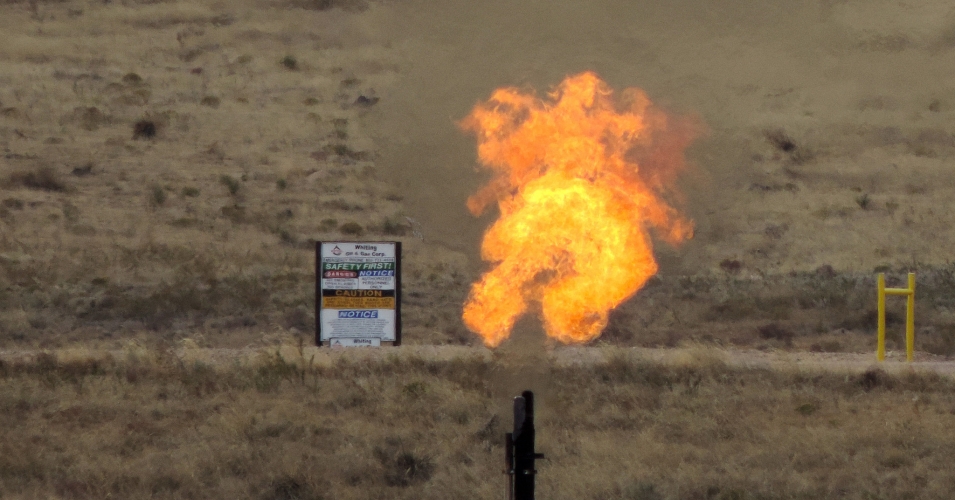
x=167 y=166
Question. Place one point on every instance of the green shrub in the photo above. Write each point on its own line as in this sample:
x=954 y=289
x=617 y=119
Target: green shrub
x=352 y=228
x=393 y=227
x=71 y=213
x=157 y=195
x=211 y=101
x=41 y=179
x=231 y=183
x=289 y=62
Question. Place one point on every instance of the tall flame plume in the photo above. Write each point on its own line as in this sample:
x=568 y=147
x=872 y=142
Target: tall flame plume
x=579 y=178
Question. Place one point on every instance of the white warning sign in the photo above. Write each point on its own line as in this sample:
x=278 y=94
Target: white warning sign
x=357 y=293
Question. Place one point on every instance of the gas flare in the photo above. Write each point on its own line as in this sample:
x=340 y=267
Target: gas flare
x=578 y=178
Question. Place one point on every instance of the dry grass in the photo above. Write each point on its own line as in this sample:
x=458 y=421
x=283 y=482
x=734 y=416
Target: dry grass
x=146 y=423
x=168 y=173
x=167 y=166
x=824 y=310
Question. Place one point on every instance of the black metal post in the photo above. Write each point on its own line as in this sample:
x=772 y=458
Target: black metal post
x=519 y=450
x=509 y=465
x=318 y=293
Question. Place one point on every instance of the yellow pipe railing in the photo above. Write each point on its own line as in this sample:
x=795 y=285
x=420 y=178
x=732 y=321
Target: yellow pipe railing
x=909 y=316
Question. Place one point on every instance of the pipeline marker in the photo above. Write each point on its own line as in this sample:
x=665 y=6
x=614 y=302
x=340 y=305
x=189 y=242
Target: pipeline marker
x=909 y=316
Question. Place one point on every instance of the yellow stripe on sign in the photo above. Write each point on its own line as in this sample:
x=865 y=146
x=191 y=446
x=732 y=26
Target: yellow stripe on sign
x=358 y=302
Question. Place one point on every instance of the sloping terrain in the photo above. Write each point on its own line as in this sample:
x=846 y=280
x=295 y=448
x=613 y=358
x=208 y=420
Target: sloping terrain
x=166 y=166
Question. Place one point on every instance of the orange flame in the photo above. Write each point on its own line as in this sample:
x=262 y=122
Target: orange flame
x=577 y=183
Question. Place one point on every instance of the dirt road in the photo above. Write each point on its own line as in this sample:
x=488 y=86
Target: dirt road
x=561 y=356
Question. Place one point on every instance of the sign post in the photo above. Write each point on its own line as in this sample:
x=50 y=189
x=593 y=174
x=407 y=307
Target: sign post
x=357 y=293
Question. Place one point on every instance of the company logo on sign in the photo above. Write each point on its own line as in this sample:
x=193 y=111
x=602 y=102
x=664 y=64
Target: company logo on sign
x=336 y=250
x=358 y=314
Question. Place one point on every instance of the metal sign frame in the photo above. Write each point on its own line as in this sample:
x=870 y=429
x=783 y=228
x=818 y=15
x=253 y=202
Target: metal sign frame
x=320 y=296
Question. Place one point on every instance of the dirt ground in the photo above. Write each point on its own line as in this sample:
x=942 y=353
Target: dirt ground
x=527 y=355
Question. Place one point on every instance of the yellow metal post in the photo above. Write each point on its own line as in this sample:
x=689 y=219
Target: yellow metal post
x=880 y=349
x=910 y=321
x=909 y=317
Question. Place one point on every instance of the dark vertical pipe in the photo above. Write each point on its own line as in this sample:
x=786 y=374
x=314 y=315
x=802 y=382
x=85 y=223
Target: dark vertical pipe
x=509 y=465
x=397 y=293
x=524 y=454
